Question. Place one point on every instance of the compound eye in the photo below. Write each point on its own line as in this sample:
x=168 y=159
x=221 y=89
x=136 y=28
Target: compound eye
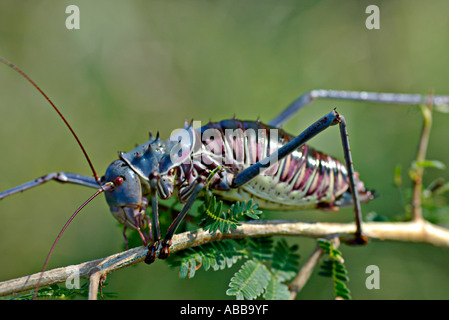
x=118 y=181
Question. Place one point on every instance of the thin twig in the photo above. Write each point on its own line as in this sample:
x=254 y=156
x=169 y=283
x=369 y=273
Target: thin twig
x=420 y=158
x=94 y=284
x=96 y=280
x=414 y=231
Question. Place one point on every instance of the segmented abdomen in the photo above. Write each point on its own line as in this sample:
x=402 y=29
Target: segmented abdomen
x=306 y=178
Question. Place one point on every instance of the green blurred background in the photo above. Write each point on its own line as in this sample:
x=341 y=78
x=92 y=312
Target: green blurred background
x=136 y=66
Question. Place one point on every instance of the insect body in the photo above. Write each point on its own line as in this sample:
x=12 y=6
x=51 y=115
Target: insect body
x=303 y=179
x=236 y=160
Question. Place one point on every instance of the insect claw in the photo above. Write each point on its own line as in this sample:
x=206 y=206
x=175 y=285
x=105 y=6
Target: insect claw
x=357 y=240
x=338 y=118
x=165 y=250
x=151 y=254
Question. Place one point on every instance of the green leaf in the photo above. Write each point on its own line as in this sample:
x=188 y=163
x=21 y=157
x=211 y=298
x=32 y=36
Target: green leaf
x=345 y=296
x=215 y=219
x=285 y=260
x=56 y=291
x=261 y=248
x=270 y=264
x=428 y=164
x=324 y=244
x=276 y=290
x=250 y=281
x=334 y=268
x=325 y=273
x=398 y=176
x=215 y=255
x=341 y=276
x=184 y=271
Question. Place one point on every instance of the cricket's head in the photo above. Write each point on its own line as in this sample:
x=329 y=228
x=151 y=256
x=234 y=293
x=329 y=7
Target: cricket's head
x=147 y=170
x=125 y=196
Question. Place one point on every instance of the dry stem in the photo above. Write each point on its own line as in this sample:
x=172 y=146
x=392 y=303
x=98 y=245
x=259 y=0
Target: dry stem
x=420 y=157
x=414 y=231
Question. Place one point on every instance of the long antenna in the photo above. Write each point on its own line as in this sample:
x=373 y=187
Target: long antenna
x=102 y=188
x=10 y=64
x=106 y=186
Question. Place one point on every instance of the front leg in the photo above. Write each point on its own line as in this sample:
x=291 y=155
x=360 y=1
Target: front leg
x=63 y=177
x=163 y=247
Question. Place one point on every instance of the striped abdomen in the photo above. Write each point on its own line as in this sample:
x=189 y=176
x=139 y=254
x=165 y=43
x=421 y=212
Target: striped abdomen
x=305 y=178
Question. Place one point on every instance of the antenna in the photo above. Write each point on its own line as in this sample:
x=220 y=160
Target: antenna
x=10 y=64
x=106 y=186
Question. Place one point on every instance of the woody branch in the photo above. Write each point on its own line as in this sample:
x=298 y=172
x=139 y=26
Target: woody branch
x=413 y=231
